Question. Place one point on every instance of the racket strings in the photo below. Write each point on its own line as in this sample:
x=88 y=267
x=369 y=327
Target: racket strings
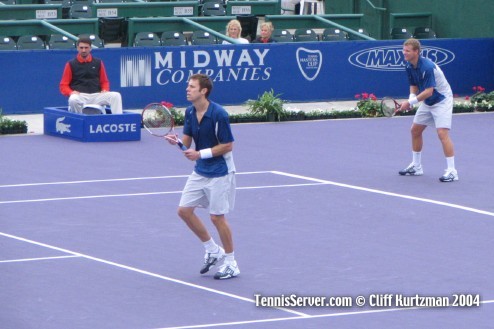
x=388 y=107
x=157 y=119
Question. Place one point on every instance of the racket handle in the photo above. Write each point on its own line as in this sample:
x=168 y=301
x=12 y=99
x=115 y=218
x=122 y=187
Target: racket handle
x=181 y=146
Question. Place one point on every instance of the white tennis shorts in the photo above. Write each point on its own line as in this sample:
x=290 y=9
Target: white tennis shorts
x=217 y=193
x=438 y=115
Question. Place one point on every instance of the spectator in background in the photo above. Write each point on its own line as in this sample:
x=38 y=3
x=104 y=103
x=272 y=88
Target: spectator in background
x=85 y=82
x=234 y=31
x=266 y=31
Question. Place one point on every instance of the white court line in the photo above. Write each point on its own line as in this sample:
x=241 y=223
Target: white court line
x=300 y=314
x=316 y=181
x=36 y=259
x=118 y=179
x=145 y=193
x=403 y=196
x=310 y=317
x=151 y=274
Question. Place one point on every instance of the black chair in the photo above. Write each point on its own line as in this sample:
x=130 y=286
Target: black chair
x=173 y=38
x=213 y=8
x=280 y=35
x=66 y=4
x=305 y=35
x=202 y=38
x=58 y=41
x=113 y=29
x=7 y=43
x=30 y=42
x=249 y=26
x=400 y=33
x=146 y=39
x=424 y=33
x=334 y=34
x=361 y=31
x=81 y=10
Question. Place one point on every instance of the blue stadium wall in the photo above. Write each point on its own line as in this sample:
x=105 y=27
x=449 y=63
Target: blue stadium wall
x=300 y=72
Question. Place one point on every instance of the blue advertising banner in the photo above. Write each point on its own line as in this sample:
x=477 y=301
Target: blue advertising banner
x=300 y=72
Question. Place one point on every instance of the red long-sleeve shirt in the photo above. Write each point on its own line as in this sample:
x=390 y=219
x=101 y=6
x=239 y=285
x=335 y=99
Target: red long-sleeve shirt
x=67 y=76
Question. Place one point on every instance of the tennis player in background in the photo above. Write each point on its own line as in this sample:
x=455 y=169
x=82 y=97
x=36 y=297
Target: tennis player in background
x=429 y=86
x=212 y=183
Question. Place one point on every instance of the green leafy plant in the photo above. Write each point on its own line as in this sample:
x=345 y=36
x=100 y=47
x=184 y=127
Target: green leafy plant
x=269 y=105
x=481 y=100
x=9 y=126
x=178 y=117
x=368 y=105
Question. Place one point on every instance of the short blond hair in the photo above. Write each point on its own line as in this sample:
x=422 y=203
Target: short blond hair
x=234 y=22
x=414 y=43
x=268 y=25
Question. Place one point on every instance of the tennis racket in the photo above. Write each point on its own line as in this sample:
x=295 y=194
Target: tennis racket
x=158 y=121
x=389 y=107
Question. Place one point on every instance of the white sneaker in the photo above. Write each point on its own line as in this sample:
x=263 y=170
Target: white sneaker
x=412 y=170
x=450 y=175
x=210 y=259
x=227 y=271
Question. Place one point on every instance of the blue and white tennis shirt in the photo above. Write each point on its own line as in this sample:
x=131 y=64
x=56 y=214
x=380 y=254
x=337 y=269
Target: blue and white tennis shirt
x=214 y=129
x=427 y=74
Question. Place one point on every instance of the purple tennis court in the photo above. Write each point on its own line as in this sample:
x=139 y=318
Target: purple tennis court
x=90 y=238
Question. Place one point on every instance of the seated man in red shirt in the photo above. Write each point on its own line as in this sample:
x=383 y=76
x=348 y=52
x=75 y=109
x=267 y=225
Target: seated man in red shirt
x=85 y=82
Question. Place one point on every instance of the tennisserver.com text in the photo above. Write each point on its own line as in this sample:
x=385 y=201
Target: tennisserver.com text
x=373 y=300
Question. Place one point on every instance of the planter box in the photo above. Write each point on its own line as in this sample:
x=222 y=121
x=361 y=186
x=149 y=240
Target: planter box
x=12 y=131
x=59 y=122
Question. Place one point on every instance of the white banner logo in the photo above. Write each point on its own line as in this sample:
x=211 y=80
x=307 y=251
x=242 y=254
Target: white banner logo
x=390 y=58
x=62 y=127
x=135 y=71
x=309 y=62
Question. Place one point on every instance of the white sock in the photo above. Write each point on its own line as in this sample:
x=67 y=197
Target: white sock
x=417 y=159
x=230 y=258
x=451 y=162
x=210 y=246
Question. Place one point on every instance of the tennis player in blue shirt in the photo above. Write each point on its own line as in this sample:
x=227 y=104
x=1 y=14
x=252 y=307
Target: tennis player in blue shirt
x=429 y=86
x=212 y=183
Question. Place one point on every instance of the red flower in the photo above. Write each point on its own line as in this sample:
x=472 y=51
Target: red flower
x=373 y=97
x=467 y=98
x=167 y=104
x=365 y=95
x=357 y=96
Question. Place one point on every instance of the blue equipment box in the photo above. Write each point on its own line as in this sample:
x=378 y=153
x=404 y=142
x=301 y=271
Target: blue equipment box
x=58 y=121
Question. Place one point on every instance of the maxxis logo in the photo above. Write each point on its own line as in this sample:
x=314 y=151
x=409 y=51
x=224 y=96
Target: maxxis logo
x=390 y=58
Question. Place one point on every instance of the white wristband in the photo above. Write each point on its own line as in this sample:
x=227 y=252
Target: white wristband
x=413 y=100
x=411 y=96
x=206 y=153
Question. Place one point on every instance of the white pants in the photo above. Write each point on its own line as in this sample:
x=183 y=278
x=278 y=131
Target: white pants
x=112 y=98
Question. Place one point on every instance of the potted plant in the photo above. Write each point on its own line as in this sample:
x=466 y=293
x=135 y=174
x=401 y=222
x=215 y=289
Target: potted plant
x=481 y=100
x=368 y=105
x=8 y=126
x=268 y=105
